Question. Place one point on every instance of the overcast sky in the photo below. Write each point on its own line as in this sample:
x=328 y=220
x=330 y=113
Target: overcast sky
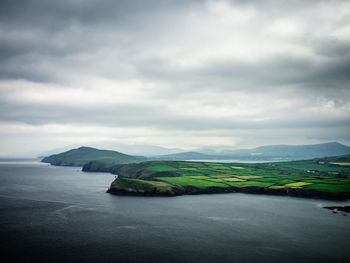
x=181 y=74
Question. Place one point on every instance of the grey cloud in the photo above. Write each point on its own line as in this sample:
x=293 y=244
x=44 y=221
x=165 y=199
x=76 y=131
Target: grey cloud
x=331 y=47
x=96 y=21
x=68 y=43
x=53 y=16
x=272 y=73
x=47 y=20
x=155 y=116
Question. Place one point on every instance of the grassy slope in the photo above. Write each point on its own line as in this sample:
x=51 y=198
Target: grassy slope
x=83 y=155
x=320 y=175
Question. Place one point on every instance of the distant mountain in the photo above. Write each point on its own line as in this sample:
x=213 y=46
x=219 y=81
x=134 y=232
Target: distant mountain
x=137 y=149
x=129 y=149
x=83 y=155
x=273 y=152
x=184 y=156
x=303 y=151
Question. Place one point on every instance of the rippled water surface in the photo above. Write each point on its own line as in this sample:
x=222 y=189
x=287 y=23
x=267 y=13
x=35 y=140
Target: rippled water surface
x=60 y=214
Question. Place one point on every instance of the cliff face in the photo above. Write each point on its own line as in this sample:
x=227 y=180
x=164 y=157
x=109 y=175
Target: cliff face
x=95 y=166
x=125 y=186
x=132 y=170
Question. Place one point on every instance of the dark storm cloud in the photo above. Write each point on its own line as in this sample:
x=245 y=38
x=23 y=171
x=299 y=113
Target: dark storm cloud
x=272 y=73
x=32 y=28
x=55 y=15
x=33 y=31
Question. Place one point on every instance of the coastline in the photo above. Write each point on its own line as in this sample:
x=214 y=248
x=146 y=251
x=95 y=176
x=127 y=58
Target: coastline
x=116 y=189
x=177 y=190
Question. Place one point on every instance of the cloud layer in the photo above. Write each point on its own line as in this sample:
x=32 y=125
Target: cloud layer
x=173 y=73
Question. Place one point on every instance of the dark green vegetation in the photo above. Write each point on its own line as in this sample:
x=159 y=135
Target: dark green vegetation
x=327 y=177
x=83 y=155
x=278 y=152
x=311 y=178
x=137 y=186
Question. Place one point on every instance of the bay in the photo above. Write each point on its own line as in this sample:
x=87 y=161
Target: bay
x=60 y=214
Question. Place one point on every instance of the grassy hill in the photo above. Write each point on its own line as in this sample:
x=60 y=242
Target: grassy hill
x=83 y=155
x=325 y=178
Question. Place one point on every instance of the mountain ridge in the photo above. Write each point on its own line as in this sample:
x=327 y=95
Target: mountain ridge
x=286 y=152
x=84 y=154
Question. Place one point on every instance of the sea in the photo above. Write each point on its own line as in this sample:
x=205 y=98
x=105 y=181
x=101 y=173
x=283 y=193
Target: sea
x=61 y=214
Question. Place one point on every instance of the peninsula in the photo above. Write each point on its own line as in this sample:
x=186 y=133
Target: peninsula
x=327 y=178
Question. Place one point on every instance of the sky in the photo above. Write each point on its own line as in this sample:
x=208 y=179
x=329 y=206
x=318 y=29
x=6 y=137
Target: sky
x=178 y=74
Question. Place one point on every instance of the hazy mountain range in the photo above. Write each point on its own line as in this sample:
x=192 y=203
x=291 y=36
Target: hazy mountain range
x=130 y=149
x=82 y=155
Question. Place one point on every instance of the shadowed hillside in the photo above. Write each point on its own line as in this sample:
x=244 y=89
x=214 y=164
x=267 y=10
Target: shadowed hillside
x=83 y=155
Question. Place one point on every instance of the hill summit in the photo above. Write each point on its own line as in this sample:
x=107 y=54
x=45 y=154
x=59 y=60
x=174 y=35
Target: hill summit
x=83 y=155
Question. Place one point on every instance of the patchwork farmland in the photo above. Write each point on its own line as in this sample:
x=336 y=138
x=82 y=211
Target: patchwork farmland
x=324 y=178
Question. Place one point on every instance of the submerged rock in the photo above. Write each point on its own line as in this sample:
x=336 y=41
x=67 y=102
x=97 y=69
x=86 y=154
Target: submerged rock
x=336 y=209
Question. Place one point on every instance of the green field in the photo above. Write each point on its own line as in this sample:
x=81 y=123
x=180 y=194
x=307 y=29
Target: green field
x=324 y=176
x=279 y=176
x=204 y=175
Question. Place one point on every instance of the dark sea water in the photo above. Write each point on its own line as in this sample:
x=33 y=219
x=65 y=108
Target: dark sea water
x=60 y=214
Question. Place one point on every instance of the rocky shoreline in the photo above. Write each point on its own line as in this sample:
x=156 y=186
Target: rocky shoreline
x=336 y=209
x=146 y=177
x=117 y=189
